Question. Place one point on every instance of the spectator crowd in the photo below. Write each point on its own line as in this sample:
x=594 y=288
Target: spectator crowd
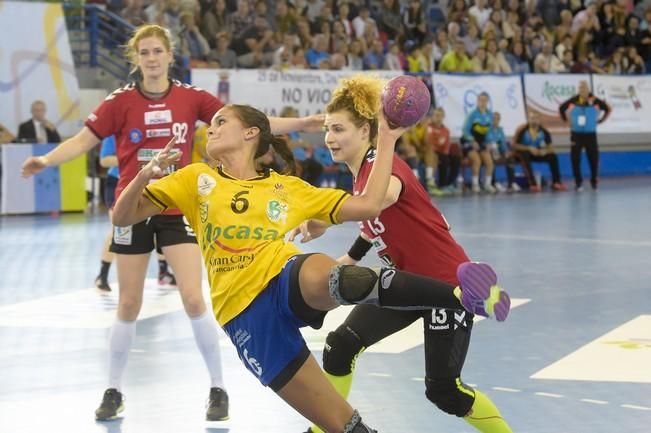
x=495 y=36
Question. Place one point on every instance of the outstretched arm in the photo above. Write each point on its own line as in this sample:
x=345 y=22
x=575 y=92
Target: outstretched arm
x=66 y=151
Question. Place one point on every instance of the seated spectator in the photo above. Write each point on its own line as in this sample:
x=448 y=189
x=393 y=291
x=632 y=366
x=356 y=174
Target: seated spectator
x=480 y=13
x=38 y=129
x=374 y=58
x=389 y=20
x=481 y=63
x=502 y=154
x=438 y=140
x=134 y=13
x=355 y=56
x=413 y=19
x=511 y=28
x=566 y=44
x=215 y=22
x=441 y=46
x=416 y=149
x=568 y=61
x=283 y=53
x=471 y=39
x=240 y=20
x=343 y=16
x=393 y=61
x=517 y=59
x=318 y=52
x=193 y=44
x=533 y=143
x=458 y=14
x=298 y=60
x=496 y=56
x=256 y=46
x=476 y=127
x=304 y=33
x=361 y=21
x=546 y=62
x=339 y=36
x=456 y=60
x=222 y=54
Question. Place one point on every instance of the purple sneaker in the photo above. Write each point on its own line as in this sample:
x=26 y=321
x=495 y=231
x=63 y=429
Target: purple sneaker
x=480 y=293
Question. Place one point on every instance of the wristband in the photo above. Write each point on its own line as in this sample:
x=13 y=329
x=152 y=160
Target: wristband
x=359 y=248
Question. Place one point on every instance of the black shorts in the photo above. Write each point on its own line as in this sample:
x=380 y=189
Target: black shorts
x=110 y=183
x=446 y=334
x=156 y=232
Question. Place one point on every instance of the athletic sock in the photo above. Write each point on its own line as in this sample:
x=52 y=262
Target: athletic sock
x=411 y=291
x=104 y=270
x=120 y=341
x=485 y=416
x=204 y=328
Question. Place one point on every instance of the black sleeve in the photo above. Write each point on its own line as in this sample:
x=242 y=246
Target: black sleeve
x=548 y=136
x=54 y=136
x=603 y=106
x=563 y=108
x=518 y=135
x=22 y=134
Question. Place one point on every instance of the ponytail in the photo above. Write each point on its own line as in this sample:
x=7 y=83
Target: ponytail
x=279 y=146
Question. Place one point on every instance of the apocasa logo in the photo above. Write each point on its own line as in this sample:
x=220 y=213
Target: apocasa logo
x=213 y=233
x=557 y=93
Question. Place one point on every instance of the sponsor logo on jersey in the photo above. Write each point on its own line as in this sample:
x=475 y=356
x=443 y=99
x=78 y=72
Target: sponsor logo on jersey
x=205 y=184
x=92 y=117
x=378 y=243
x=158 y=117
x=276 y=211
x=163 y=132
x=135 y=135
x=203 y=211
x=213 y=233
x=386 y=278
x=157 y=105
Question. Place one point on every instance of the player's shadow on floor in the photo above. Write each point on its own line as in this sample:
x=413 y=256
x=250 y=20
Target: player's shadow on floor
x=113 y=426
x=217 y=430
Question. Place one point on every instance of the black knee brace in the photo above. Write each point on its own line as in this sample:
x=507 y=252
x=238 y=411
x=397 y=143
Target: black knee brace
x=340 y=353
x=354 y=285
x=450 y=395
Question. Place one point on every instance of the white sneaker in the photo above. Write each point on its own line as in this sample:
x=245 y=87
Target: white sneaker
x=475 y=189
x=515 y=187
x=489 y=188
x=499 y=187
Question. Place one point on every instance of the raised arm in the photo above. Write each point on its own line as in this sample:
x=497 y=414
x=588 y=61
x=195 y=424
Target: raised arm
x=370 y=202
x=133 y=206
x=66 y=151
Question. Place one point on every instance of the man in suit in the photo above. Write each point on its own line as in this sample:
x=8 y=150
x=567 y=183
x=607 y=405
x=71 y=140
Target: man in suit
x=38 y=129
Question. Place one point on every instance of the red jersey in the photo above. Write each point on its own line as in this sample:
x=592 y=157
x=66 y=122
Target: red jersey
x=143 y=126
x=411 y=234
x=439 y=138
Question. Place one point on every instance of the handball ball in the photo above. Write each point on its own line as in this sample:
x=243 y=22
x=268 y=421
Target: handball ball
x=405 y=100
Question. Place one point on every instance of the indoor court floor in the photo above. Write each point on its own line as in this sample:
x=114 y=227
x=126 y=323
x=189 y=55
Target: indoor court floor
x=574 y=355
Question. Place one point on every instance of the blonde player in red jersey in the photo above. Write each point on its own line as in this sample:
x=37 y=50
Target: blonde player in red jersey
x=412 y=235
x=143 y=116
x=263 y=289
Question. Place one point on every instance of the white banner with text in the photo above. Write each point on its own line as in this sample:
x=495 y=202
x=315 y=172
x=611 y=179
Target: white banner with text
x=270 y=90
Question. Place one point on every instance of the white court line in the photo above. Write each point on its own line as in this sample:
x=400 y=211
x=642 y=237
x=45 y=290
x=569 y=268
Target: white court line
x=632 y=406
x=556 y=239
x=501 y=388
x=379 y=374
x=418 y=379
x=548 y=394
x=589 y=400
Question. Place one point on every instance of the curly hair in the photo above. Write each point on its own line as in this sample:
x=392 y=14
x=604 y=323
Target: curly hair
x=360 y=96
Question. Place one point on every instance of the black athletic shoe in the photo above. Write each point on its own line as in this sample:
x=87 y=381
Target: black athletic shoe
x=217 y=406
x=102 y=284
x=112 y=405
x=166 y=279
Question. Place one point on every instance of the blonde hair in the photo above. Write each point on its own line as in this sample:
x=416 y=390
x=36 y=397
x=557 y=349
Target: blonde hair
x=360 y=96
x=147 y=31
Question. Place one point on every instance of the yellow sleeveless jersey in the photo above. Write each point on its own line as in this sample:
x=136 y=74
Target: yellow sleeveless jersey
x=241 y=225
x=199 y=143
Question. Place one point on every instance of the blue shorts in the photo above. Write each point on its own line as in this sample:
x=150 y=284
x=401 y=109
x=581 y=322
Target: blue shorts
x=266 y=334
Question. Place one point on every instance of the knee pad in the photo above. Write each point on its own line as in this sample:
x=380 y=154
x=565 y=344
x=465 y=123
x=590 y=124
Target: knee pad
x=354 y=285
x=341 y=350
x=450 y=395
x=355 y=425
